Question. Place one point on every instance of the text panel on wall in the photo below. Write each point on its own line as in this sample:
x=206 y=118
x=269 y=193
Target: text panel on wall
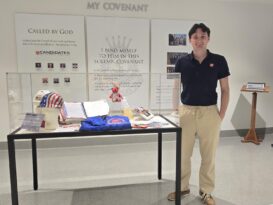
x=50 y=43
x=119 y=46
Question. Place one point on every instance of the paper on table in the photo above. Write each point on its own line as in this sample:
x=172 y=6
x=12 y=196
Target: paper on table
x=96 y=108
x=74 y=110
x=255 y=86
x=156 y=121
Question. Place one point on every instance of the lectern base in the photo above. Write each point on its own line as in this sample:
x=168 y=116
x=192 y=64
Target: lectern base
x=251 y=137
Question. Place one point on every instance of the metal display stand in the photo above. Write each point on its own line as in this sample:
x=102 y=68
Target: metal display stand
x=16 y=135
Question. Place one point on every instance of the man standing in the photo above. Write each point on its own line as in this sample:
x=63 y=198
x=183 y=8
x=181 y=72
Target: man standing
x=199 y=114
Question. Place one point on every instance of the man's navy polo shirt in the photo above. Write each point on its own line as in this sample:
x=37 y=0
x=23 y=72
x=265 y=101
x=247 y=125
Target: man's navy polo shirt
x=199 y=81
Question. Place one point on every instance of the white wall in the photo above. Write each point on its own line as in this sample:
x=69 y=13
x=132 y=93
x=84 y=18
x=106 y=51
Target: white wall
x=241 y=31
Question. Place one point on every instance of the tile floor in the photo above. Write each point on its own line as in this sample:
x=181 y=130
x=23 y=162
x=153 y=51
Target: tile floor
x=126 y=174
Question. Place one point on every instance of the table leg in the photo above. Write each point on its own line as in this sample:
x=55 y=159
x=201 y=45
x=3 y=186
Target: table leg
x=12 y=170
x=34 y=164
x=251 y=135
x=178 y=168
x=159 y=158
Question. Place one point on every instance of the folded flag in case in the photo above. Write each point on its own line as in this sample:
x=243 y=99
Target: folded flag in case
x=103 y=123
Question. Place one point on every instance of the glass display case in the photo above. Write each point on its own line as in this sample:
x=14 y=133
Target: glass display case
x=157 y=92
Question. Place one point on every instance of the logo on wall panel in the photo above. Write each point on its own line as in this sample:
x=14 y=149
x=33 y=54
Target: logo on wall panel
x=116 y=43
x=50 y=52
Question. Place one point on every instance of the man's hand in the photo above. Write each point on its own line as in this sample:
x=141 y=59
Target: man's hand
x=224 y=97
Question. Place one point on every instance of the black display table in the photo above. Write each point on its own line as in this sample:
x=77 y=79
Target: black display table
x=18 y=135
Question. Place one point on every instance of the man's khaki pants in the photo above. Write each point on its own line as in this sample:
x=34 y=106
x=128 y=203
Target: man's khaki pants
x=203 y=121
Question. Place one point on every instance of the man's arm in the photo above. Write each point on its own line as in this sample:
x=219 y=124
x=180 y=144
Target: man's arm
x=224 y=96
x=176 y=94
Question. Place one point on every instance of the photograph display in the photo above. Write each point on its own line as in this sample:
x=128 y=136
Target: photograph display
x=170 y=69
x=169 y=42
x=172 y=58
x=71 y=86
x=177 y=39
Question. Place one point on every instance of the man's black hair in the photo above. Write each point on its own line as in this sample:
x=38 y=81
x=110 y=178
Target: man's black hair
x=196 y=26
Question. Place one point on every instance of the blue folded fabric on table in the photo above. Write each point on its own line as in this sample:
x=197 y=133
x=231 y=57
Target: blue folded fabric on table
x=103 y=123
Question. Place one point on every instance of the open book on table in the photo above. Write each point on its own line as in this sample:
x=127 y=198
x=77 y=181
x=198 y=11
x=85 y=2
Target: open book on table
x=77 y=111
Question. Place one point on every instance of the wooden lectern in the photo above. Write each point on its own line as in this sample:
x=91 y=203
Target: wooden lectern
x=251 y=134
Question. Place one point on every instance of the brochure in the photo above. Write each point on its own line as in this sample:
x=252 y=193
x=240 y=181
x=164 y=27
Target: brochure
x=32 y=121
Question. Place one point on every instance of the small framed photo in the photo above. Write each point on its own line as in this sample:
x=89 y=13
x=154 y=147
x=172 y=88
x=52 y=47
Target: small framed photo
x=172 y=57
x=56 y=80
x=67 y=80
x=170 y=69
x=45 y=80
x=177 y=39
x=75 y=65
x=38 y=65
x=50 y=65
x=62 y=65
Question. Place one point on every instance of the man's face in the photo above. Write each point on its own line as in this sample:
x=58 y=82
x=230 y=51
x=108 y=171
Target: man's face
x=199 y=40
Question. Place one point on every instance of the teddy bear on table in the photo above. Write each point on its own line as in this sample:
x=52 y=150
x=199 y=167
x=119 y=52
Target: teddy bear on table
x=115 y=95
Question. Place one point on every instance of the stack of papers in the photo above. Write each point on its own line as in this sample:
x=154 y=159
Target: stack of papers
x=255 y=86
x=155 y=122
